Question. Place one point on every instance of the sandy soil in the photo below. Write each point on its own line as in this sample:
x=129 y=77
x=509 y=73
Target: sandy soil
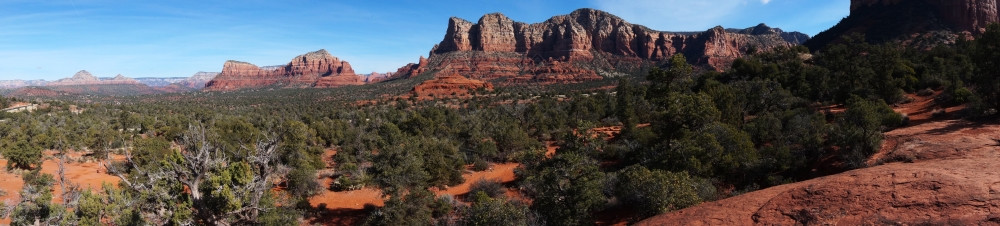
x=88 y=175
x=348 y=207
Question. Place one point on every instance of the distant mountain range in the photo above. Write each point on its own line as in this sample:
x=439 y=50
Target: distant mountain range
x=83 y=82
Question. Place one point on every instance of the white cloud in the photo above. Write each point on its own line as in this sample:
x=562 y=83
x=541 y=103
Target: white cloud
x=765 y=1
x=673 y=15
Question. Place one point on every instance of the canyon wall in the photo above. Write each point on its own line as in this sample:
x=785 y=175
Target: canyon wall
x=585 y=45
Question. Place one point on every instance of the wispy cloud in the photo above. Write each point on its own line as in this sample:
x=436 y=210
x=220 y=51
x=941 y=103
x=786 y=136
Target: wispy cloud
x=765 y=1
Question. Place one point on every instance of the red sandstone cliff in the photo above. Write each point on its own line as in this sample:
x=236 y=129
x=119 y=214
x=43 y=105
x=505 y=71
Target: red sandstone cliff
x=314 y=69
x=584 y=45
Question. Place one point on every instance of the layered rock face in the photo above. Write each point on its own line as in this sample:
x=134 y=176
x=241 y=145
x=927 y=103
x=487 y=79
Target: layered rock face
x=451 y=85
x=965 y=15
x=575 y=47
x=314 y=69
x=376 y=77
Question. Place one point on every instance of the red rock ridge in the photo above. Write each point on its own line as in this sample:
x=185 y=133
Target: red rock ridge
x=451 y=85
x=314 y=69
x=965 y=15
x=575 y=47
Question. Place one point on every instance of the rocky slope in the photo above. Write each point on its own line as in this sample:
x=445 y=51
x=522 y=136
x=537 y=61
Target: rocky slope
x=932 y=173
x=198 y=80
x=923 y=23
x=959 y=189
x=584 y=45
x=314 y=69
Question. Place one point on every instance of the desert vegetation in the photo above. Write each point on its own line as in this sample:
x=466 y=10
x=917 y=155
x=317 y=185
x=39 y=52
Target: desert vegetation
x=255 y=156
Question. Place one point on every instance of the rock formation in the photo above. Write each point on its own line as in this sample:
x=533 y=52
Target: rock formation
x=82 y=77
x=314 y=69
x=198 y=80
x=579 y=46
x=376 y=77
x=943 y=177
x=964 y=15
x=85 y=78
x=918 y=23
x=451 y=85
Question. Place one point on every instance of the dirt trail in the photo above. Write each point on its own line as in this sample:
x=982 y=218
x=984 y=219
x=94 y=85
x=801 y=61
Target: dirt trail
x=932 y=172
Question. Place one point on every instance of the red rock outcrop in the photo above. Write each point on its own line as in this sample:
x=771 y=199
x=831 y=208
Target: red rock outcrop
x=578 y=46
x=938 y=173
x=314 y=69
x=921 y=24
x=964 y=15
x=376 y=77
x=451 y=85
x=411 y=69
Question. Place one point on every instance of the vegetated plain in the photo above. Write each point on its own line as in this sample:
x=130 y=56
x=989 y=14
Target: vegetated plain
x=611 y=151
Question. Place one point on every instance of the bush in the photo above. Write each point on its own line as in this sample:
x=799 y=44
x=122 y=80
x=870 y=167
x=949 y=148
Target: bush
x=963 y=95
x=859 y=132
x=656 y=192
x=567 y=188
x=23 y=154
x=479 y=164
x=495 y=211
x=491 y=187
x=925 y=92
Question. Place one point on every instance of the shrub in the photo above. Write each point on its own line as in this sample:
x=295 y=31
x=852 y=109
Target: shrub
x=491 y=187
x=925 y=92
x=655 y=192
x=479 y=164
x=23 y=154
x=963 y=95
x=495 y=211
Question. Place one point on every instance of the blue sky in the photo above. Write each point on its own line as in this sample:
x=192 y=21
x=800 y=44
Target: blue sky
x=54 y=39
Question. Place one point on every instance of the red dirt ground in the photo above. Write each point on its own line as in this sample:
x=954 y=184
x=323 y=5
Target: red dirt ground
x=935 y=171
x=88 y=175
x=348 y=207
